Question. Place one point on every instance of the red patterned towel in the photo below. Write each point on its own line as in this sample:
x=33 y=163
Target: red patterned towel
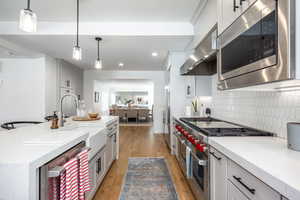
x=84 y=182
x=69 y=181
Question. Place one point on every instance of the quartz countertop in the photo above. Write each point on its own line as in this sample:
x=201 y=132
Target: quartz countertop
x=37 y=144
x=268 y=158
x=25 y=149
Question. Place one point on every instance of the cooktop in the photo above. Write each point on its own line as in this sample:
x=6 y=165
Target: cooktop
x=215 y=127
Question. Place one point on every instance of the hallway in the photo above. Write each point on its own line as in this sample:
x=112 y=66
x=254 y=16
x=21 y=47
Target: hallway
x=140 y=142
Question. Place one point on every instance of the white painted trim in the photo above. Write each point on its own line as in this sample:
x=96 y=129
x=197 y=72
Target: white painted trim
x=112 y=29
x=198 y=11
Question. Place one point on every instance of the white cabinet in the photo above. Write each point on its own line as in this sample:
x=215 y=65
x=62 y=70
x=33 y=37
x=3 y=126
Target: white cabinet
x=245 y=4
x=234 y=193
x=218 y=175
x=96 y=171
x=251 y=186
x=111 y=143
x=229 y=11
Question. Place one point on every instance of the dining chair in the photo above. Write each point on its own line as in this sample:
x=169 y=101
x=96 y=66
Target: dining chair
x=132 y=113
x=143 y=115
x=122 y=114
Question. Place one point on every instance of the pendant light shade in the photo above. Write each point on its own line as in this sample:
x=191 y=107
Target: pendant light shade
x=77 y=52
x=28 y=19
x=98 y=62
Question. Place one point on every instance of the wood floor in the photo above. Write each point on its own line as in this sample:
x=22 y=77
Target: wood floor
x=140 y=142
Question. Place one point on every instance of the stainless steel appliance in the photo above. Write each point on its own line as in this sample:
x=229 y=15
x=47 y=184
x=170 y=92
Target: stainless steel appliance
x=259 y=47
x=194 y=133
x=204 y=60
x=167 y=112
x=53 y=169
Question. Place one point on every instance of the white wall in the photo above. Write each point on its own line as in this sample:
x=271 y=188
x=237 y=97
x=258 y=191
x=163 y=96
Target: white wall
x=22 y=94
x=30 y=88
x=108 y=89
x=157 y=77
x=57 y=73
x=52 y=85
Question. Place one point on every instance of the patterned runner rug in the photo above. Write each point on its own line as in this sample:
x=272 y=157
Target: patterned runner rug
x=148 y=179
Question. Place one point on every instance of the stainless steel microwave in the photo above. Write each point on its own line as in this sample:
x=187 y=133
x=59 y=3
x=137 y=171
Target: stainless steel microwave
x=259 y=47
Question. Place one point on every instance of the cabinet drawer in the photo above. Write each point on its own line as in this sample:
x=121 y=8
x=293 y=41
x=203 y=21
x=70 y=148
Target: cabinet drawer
x=254 y=188
x=234 y=193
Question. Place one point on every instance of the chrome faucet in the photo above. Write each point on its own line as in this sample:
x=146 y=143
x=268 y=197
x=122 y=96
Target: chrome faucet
x=62 y=120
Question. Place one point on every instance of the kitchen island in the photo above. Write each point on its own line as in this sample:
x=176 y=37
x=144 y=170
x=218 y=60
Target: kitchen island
x=24 y=150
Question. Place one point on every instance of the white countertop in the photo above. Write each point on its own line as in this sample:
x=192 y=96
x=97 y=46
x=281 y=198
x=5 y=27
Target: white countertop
x=25 y=149
x=268 y=158
x=37 y=144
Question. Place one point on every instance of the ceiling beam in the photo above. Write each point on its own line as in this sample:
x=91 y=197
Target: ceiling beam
x=109 y=29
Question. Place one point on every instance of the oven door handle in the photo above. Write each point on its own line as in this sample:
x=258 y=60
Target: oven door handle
x=200 y=162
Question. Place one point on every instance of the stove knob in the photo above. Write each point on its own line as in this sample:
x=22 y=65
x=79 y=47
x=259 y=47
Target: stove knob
x=199 y=147
x=193 y=140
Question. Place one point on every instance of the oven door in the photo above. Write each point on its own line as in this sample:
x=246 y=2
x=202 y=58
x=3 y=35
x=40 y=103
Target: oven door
x=199 y=180
x=250 y=43
x=182 y=154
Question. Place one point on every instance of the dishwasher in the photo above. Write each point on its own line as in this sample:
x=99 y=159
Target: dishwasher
x=53 y=169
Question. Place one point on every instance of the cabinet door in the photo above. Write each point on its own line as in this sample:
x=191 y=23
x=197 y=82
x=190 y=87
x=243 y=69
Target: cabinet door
x=109 y=151
x=245 y=4
x=92 y=175
x=220 y=16
x=229 y=14
x=218 y=175
x=100 y=166
x=234 y=193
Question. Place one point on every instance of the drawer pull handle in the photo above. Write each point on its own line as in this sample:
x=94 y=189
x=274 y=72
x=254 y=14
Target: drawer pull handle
x=214 y=155
x=251 y=190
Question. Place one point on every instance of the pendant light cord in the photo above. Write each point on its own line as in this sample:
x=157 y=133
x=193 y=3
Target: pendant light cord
x=98 y=50
x=28 y=4
x=77 y=37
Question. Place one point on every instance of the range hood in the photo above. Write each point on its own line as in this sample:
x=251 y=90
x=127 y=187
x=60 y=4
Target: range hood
x=204 y=59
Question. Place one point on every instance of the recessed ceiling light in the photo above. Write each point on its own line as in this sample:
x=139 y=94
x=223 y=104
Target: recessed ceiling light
x=154 y=54
x=121 y=64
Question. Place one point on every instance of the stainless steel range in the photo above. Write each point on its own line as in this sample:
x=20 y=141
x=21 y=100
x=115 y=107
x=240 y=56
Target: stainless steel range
x=193 y=149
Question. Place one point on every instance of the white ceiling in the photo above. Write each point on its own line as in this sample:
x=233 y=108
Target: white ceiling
x=134 y=51
x=103 y=10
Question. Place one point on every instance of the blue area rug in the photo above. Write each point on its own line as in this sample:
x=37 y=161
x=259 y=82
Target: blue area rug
x=148 y=179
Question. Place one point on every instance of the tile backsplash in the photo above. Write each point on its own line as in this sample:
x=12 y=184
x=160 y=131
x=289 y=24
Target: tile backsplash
x=264 y=110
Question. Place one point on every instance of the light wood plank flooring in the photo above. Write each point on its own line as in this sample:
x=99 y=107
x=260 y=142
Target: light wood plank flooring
x=140 y=142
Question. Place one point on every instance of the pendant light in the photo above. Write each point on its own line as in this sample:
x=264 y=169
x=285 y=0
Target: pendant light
x=28 y=19
x=77 y=53
x=98 y=62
